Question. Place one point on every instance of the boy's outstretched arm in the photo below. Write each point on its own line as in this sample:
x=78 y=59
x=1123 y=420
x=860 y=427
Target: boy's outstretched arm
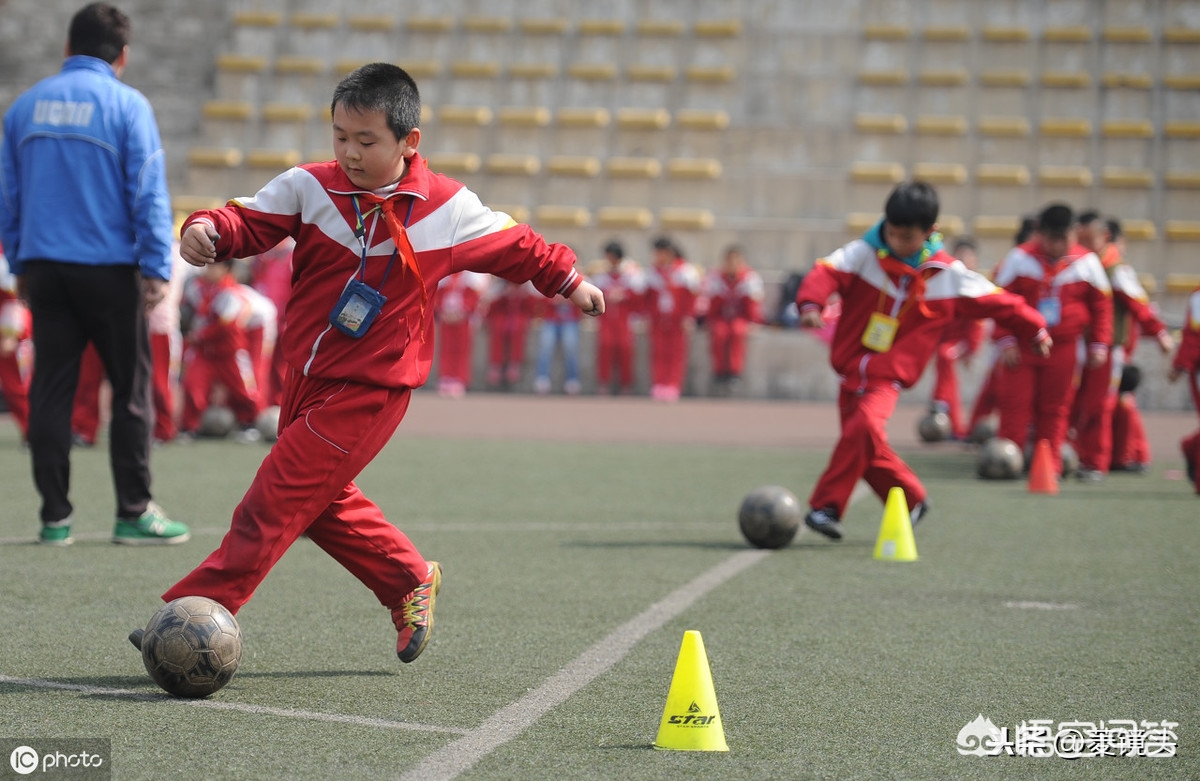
x=588 y=298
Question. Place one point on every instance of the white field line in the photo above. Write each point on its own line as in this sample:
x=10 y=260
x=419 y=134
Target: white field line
x=287 y=713
x=505 y=724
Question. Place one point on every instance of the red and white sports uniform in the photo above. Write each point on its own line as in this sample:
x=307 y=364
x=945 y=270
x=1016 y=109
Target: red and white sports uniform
x=670 y=304
x=1187 y=361
x=1096 y=400
x=960 y=342
x=85 y=413
x=262 y=333
x=16 y=326
x=454 y=307
x=623 y=288
x=732 y=302
x=345 y=396
x=923 y=301
x=1074 y=295
x=166 y=348
x=271 y=275
x=218 y=352
x=508 y=310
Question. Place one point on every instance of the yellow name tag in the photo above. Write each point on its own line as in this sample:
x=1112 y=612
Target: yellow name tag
x=880 y=333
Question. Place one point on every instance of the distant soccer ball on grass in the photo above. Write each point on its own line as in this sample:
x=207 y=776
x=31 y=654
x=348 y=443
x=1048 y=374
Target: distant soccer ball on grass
x=217 y=421
x=1000 y=459
x=268 y=424
x=934 y=427
x=984 y=430
x=192 y=647
x=770 y=516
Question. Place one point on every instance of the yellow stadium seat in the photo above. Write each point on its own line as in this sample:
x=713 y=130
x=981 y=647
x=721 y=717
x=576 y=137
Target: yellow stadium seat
x=1066 y=79
x=544 y=26
x=940 y=173
x=694 y=168
x=592 y=71
x=1003 y=126
x=487 y=24
x=345 y=66
x=998 y=33
x=614 y=217
x=513 y=165
x=951 y=225
x=992 y=226
x=643 y=118
x=584 y=117
x=429 y=24
x=939 y=125
x=1182 y=282
x=715 y=74
x=228 y=109
x=1182 y=129
x=881 y=123
x=717 y=28
x=1183 y=180
x=1069 y=127
x=274 y=159
x=563 y=216
x=474 y=69
x=372 y=23
x=1076 y=33
x=601 y=27
x=685 y=219
x=455 y=163
x=894 y=77
x=1139 y=230
x=1123 y=80
x=287 y=112
x=861 y=222
x=421 y=69
x=1181 y=35
x=1128 y=35
x=1127 y=128
x=300 y=66
x=887 y=32
x=662 y=28
x=702 y=119
x=573 y=165
x=660 y=73
x=946 y=33
x=257 y=18
x=1182 y=230
x=533 y=70
x=633 y=167
x=1002 y=174
x=516 y=211
x=305 y=20
x=1065 y=176
x=1148 y=282
x=465 y=115
x=1005 y=77
x=1182 y=81
x=1127 y=178
x=879 y=173
x=186 y=204
x=241 y=63
x=215 y=157
x=943 y=77
x=524 y=116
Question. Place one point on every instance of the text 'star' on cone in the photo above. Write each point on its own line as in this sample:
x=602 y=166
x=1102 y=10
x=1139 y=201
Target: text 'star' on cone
x=691 y=720
x=895 y=541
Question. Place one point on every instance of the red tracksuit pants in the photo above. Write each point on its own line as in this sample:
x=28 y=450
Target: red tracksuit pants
x=1191 y=444
x=15 y=390
x=614 y=350
x=305 y=485
x=1129 y=442
x=454 y=352
x=668 y=354
x=1035 y=398
x=164 y=352
x=985 y=401
x=945 y=386
x=863 y=452
x=1092 y=413
x=85 y=415
x=727 y=344
x=233 y=372
x=506 y=348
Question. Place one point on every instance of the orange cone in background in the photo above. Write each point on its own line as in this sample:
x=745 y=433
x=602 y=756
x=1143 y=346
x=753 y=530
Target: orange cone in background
x=1042 y=477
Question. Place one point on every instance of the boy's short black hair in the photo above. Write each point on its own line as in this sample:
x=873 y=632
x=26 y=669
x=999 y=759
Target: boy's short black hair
x=98 y=30
x=1055 y=220
x=1087 y=217
x=1131 y=378
x=381 y=86
x=1026 y=229
x=662 y=242
x=964 y=242
x=912 y=203
x=615 y=249
x=1114 y=228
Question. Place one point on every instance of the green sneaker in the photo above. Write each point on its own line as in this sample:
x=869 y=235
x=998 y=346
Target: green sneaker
x=152 y=527
x=57 y=534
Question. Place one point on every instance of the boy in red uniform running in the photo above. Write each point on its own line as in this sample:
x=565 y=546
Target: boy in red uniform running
x=1067 y=284
x=1187 y=361
x=899 y=291
x=376 y=231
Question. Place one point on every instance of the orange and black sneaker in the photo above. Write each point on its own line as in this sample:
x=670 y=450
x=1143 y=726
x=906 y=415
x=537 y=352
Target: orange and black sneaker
x=414 y=618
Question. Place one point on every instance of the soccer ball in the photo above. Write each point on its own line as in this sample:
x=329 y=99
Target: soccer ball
x=934 y=427
x=192 y=647
x=217 y=422
x=984 y=430
x=267 y=424
x=769 y=516
x=1000 y=459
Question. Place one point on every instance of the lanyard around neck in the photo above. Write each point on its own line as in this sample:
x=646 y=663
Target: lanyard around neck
x=360 y=232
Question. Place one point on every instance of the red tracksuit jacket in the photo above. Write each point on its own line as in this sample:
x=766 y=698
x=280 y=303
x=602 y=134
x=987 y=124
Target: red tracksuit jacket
x=952 y=291
x=449 y=228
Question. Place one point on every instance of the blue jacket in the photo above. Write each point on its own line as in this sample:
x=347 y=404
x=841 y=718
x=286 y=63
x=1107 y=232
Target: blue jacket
x=83 y=174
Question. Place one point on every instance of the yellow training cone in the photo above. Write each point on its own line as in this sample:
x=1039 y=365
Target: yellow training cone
x=896 y=541
x=691 y=720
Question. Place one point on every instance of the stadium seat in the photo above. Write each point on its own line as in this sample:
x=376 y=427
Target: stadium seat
x=702 y=119
x=710 y=74
x=1183 y=180
x=1002 y=174
x=1065 y=176
x=877 y=173
x=717 y=28
x=1182 y=129
x=1182 y=230
x=946 y=33
x=1139 y=230
x=513 y=165
x=1003 y=126
x=1181 y=35
x=257 y=18
x=346 y=66
x=455 y=163
x=238 y=110
x=694 y=168
x=1127 y=128
x=881 y=123
x=421 y=69
x=633 y=167
x=523 y=116
x=643 y=118
x=631 y=217
x=573 y=165
x=943 y=77
x=312 y=20
x=1182 y=282
x=887 y=32
x=186 y=204
x=371 y=23
x=544 y=26
x=1135 y=34
x=487 y=24
x=215 y=157
x=938 y=125
x=941 y=173
x=1181 y=81
x=277 y=160
x=562 y=216
x=1005 y=77
x=1127 y=178
x=659 y=28
x=533 y=70
x=951 y=225
x=592 y=71
x=892 y=77
x=1127 y=80
x=993 y=226
x=860 y=222
x=474 y=69
x=1066 y=79
x=1065 y=127
x=478 y=116
x=1076 y=33
x=651 y=73
x=685 y=219
x=999 y=33
x=429 y=24
x=583 y=117
x=516 y=211
x=1148 y=282
x=298 y=65
x=601 y=27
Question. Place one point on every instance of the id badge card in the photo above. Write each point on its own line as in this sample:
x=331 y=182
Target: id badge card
x=880 y=333
x=358 y=307
x=1051 y=310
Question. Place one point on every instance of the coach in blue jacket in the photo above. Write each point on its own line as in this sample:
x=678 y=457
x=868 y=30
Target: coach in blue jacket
x=85 y=220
